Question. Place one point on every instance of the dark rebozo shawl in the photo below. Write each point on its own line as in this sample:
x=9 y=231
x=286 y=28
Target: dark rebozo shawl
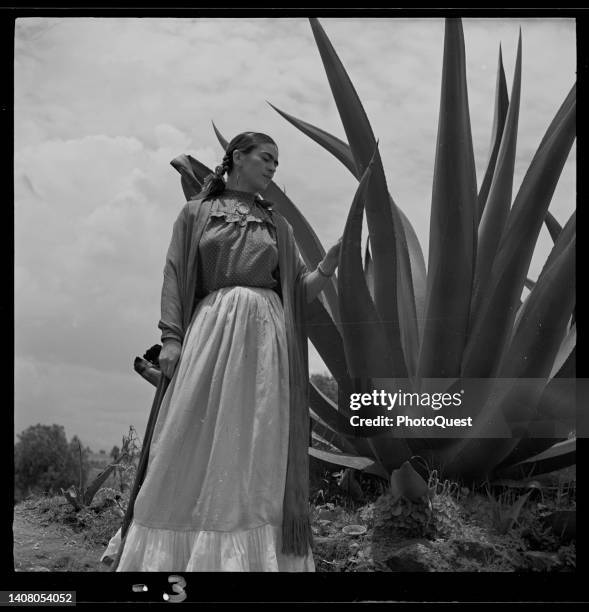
x=178 y=302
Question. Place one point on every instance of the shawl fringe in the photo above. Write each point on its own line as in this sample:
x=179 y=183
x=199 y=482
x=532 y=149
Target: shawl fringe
x=297 y=534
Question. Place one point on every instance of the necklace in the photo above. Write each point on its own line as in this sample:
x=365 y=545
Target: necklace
x=242 y=209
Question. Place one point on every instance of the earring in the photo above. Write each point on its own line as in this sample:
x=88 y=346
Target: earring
x=237 y=179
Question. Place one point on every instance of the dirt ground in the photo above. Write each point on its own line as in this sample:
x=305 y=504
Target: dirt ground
x=43 y=546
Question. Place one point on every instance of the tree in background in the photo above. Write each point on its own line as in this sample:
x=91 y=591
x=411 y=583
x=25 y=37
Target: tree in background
x=326 y=384
x=44 y=461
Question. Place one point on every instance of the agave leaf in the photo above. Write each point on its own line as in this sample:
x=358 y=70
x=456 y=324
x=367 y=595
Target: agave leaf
x=501 y=105
x=531 y=356
x=385 y=229
x=320 y=443
x=542 y=327
x=555 y=230
x=410 y=260
x=535 y=344
x=492 y=326
x=564 y=239
x=364 y=464
x=406 y=482
x=222 y=140
x=191 y=177
x=554 y=227
x=452 y=226
x=367 y=352
x=498 y=203
x=368 y=271
x=418 y=280
x=334 y=145
x=564 y=108
x=569 y=367
x=334 y=418
x=518 y=314
x=338 y=420
x=556 y=415
x=326 y=338
x=565 y=350
x=309 y=244
x=549 y=431
x=356 y=125
x=567 y=234
x=558 y=456
x=100 y=479
x=559 y=401
x=410 y=304
x=332 y=437
x=474 y=457
x=190 y=168
x=393 y=450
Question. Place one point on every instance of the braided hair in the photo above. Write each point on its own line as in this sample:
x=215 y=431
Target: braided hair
x=214 y=183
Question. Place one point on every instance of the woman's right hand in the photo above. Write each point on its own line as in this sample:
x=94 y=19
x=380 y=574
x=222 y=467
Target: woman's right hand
x=169 y=356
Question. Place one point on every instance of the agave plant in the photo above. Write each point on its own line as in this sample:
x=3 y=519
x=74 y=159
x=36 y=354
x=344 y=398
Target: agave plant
x=386 y=318
x=80 y=496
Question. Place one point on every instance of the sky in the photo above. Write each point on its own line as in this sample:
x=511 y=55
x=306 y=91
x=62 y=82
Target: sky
x=102 y=105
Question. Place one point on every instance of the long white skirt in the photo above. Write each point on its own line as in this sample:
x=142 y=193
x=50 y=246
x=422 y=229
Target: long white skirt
x=213 y=490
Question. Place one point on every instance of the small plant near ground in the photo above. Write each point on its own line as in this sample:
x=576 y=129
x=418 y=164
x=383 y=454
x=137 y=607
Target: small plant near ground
x=412 y=519
x=506 y=508
x=367 y=515
x=81 y=497
x=406 y=509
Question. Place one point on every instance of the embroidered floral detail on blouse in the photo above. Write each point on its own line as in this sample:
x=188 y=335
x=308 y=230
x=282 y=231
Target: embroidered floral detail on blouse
x=235 y=211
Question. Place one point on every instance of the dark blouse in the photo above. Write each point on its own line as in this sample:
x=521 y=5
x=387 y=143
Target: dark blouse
x=238 y=247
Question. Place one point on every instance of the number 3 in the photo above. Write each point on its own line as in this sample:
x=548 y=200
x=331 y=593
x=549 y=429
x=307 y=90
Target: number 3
x=177 y=588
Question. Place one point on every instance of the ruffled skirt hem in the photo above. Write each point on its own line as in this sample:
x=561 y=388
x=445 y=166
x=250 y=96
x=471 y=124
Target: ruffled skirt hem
x=163 y=550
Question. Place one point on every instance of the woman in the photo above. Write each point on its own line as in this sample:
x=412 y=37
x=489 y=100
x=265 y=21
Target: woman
x=226 y=486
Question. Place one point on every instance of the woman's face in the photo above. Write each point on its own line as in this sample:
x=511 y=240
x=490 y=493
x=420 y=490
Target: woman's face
x=257 y=167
